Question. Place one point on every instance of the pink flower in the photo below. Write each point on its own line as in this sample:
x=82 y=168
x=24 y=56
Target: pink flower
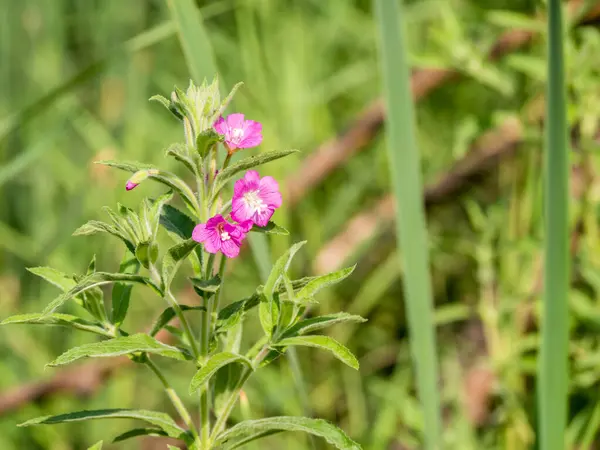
x=255 y=199
x=130 y=185
x=239 y=133
x=219 y=235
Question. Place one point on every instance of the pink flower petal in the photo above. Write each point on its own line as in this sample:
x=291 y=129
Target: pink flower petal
x=230 y=248
x=262 y=218
x=246 y=226
x=240 y=212
x=200 y=233
x=235 y=120
x=213 y=244
x=269 y=192
x=220 y=126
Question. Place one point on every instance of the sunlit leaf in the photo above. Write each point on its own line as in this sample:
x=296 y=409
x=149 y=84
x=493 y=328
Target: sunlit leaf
x=126 y=345
x=213 y=365
x=322 y=342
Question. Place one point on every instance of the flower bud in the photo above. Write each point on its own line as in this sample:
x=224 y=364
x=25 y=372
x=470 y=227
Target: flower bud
x=138 y=177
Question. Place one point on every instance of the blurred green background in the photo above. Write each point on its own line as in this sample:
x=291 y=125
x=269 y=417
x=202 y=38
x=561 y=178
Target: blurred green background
x=75 y=78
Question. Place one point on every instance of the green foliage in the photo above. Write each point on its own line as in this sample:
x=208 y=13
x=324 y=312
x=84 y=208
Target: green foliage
x=216 y=362
x=126 y=345
x=161 y=420
x=255 y=429
x=324 y=343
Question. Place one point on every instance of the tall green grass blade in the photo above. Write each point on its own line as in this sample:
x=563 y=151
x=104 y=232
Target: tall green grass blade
x=411 y=228
x=553 y=368
x=194 y=39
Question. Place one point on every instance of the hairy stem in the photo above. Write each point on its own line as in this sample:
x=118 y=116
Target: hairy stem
x=205 y=334
x=175 y=399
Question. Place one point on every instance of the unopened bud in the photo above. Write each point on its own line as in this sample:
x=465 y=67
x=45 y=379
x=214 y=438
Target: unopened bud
x=138 y=177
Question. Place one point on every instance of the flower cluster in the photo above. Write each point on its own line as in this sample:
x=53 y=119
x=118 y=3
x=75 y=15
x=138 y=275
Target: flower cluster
x=254 y=201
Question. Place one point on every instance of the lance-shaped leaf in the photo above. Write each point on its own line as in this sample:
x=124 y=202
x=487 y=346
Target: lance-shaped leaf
x=247 y=163
x=57 y=319
x=121 y=292
x=150 y=214
x=96 y=226
x=318 y=427
x=166 y=178
x=59 y=279
x=323 y=342
x=176 y=222
x=161 y=420
x=232 y=313
x=271 y=228
x=136 y=432
x=126 y=345
x=320 y=322
x=227 y=100
x=97 y=446
x=168 y=314
x=321 y=282
x=213 y=365
x=267 y=309
x=209 y=286
x=180 y=153
x=173 y=259
x=98 y=279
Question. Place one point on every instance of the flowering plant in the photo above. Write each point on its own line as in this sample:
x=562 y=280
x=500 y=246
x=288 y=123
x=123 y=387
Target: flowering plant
x=214 y=226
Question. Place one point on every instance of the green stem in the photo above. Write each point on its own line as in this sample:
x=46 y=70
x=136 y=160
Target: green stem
x=170 y=299
x=175 y=400
x=205 y=335
x=215 y=305
x=227 y=160
x=233 y=398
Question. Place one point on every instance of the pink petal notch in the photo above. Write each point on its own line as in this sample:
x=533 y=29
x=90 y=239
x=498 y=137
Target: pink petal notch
x=238 y=132
x=255 y=199
x=217 y=234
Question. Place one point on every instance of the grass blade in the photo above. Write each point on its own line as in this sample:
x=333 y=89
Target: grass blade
x=411 y=228
x=553 y=375
x=194 y=39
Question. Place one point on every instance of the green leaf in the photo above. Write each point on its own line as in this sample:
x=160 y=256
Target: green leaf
x=270 y=228
x=151 y=212
x=98 y=279
x=247 y=163
x=177 y=222
x=250 y=438
x=180 y=153
x=321 y=282
x=125 y=345
x=279 y=268
x=320 y=322
x=59 y=279
x=323 y=342
x=227 y=100
x=213 y=364
x=210 y=286
x=162 y=420
x=268 y=310
x=168 y=314
x=95 y=226
x=136 y=432
x=65 y=320
x=166 y=178
x=206 y=140
x=97 y=446
x=318 y=427
x=121 y=292
x=232 y=313
x=173 y=259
